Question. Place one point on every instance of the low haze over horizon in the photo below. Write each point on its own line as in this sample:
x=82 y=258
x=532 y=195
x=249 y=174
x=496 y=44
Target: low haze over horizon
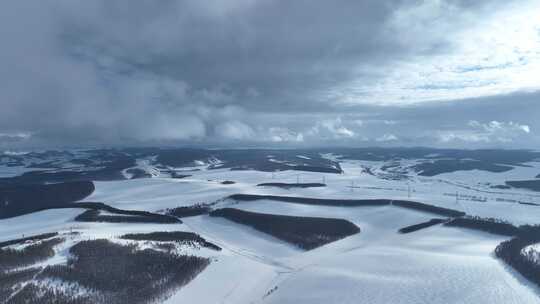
x=246 y=73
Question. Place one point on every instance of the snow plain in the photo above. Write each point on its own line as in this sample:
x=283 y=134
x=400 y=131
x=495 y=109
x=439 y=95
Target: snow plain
x=434 y=265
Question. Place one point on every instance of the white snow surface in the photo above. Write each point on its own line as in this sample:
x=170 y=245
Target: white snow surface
x=434 y=265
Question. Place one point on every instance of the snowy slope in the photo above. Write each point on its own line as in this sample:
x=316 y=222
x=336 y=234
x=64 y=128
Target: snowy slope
x=378 y=265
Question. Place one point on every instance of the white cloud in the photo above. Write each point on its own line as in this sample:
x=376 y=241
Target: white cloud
x=14 y=153
x=387 y=138
x=488 y=132
x=14 y=137
x=19 y=135
x=480 y=55
x=331 y=128
x=497 y=126
x=466 y=136
x=280 y=134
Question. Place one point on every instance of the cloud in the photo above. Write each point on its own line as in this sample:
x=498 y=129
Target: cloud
x=387 y=138
x=78 y=73
x=359 y=122
x=496 y=126
x=14 y=153
x=14 y=137
x=492 y=131
x=331 y=129
x=473 y=58
x=464 y=136
x=235 y=130
x=279 y=134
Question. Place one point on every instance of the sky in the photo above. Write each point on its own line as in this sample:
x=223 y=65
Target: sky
x=270 y=73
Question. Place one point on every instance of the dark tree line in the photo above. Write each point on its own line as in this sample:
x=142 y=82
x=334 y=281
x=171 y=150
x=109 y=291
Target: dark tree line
x=11 y=280
x=95 y=216
x=311 y=201
x=427 y=208
x=181 y=237
x=526 y=263
x=138 y=173
x=416 y=227
x=19 y=199
x=32 y=293
x=143 y=216
x=292 y=185
x=533 y=185
x=123 y=274
x=304 y=232
x=351 y=203
x=179 y=176
x=12 y=258
x=187 y=211
x=491 y=225
x=30 y=238
x=433 y=168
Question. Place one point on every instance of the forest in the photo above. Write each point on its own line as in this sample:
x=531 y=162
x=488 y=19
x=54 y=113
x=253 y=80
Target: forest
x=123 y=273
x=304 y=232
x=181 y=237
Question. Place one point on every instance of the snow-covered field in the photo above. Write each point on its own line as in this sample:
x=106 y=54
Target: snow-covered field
x=378 y=265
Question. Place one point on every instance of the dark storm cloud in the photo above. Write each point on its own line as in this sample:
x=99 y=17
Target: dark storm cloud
x=216 y=72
